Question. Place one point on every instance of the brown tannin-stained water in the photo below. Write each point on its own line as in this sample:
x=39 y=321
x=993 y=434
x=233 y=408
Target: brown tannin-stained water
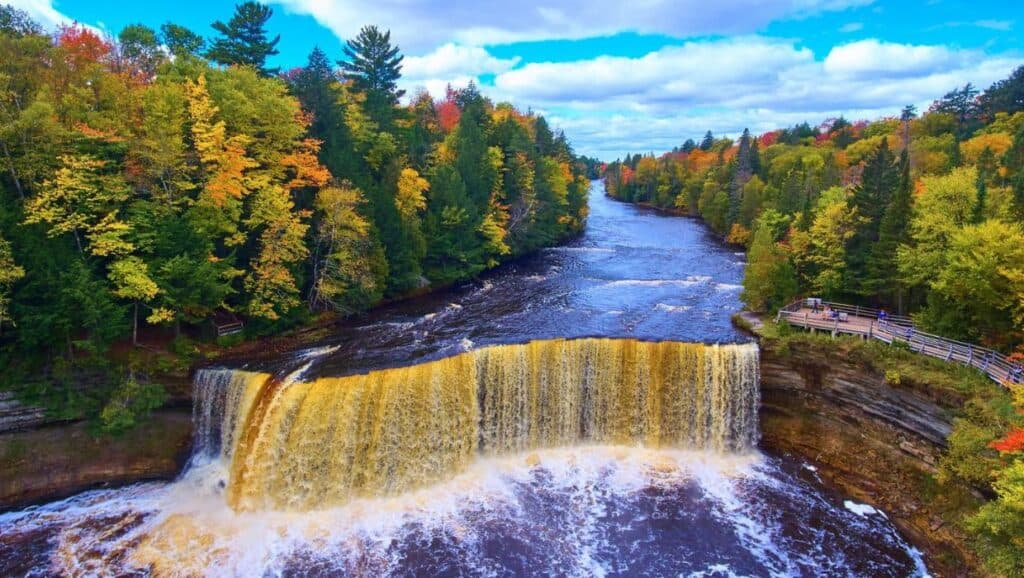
x=463 y=435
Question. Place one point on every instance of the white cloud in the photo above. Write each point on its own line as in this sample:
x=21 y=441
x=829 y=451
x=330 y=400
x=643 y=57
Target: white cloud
x=450 y=64
x=611 y=105
x=42 y=11
x=419 y=26
x=455 y=59
x=876 y=58
x=851 y=27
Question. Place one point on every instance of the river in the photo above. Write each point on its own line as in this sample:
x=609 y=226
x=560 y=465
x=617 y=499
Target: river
x=466 y=453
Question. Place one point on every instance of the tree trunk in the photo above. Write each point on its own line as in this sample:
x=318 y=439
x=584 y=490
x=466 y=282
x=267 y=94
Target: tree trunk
x=135 y=325
x=14 y=174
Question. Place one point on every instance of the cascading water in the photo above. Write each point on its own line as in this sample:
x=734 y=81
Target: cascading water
x=292 y=444
x=585 y=457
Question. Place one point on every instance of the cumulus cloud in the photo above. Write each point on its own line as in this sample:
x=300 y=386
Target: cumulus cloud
x=42 y=11
x=875 y=58
x=613 y=105
x=421 y=26
x=450 y=59
x=450 y=64
x=682 y=74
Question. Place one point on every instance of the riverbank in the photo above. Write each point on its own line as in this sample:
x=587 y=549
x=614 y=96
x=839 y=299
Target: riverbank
x=875 y=423
x=58 y=460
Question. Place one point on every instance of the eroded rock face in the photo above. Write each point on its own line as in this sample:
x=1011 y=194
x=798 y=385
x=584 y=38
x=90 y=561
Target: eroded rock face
x=872 y=440
x=15 y=415
x=58 y=460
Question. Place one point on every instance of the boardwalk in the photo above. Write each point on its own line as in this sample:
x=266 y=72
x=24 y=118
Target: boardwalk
x=863 y=321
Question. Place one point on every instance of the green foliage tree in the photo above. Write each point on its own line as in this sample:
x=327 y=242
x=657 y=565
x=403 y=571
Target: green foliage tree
x=180 y=41
x=981 y=284
x=769 y=281
x=140 y=50
x=883 y=279
x=451 y=224
x=374 y=66
x=17 y=23
x=243 y=40
x=10 y=273
x=881 y=177
x=707 y=142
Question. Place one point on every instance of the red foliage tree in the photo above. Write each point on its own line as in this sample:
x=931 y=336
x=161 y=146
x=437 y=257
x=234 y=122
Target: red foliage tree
x=82 y=46
x=769 y=138
x=1012 y=442
x=448 y=112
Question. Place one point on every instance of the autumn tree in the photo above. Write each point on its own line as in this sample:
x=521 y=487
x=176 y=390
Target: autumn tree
x=981 y=284
x=832 y=228
x=349 y=267
x=82 y=200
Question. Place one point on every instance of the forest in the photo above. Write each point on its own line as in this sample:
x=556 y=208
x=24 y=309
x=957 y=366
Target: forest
x=916 y=213
x=157 y=182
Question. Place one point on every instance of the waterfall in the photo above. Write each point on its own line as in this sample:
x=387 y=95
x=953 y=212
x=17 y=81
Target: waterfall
x=297 y=445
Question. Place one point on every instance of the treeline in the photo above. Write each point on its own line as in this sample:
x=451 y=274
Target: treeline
x=161 y=179
x=917 y=214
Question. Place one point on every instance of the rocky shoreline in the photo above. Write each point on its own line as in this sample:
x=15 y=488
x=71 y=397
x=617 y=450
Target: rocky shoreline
x=875 y=441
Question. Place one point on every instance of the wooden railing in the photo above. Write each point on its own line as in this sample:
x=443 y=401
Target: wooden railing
x=864 y=322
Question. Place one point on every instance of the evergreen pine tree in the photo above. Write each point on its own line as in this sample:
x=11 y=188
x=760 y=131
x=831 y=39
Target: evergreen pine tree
x=708 y=142
x=1013 y=160
x=741 y=174
x=987 y=168
x=243 y=40
x=882 y=272
x=374 y=67
x=871 y=197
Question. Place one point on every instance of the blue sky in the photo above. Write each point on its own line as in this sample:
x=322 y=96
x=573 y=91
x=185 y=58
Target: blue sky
x=644 y=75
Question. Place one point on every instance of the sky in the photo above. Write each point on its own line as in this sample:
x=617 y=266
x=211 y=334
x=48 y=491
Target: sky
x=628 y=76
